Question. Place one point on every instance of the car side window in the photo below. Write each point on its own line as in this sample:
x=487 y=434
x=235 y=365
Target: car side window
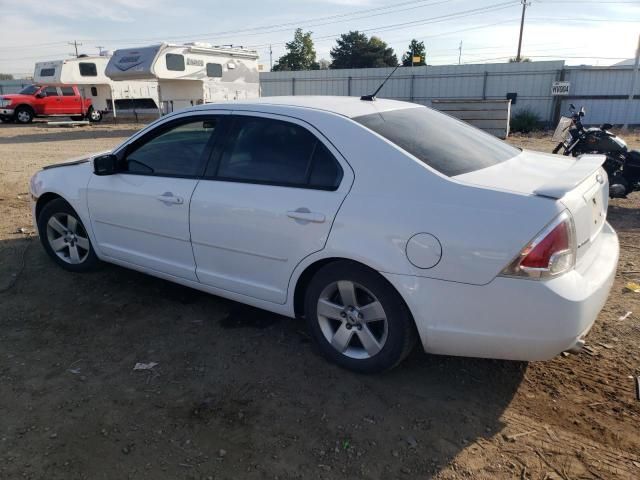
x=176 y=150
x=68 y=91
x=276 y=152
x=51 y=91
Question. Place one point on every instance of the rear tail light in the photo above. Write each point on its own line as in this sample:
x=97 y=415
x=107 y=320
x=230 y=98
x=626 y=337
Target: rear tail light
x=552 y=252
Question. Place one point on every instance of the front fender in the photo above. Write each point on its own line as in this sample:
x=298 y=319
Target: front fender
x=70 y=183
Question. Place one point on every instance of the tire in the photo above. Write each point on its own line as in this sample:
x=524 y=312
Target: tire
x=94 y=116
x=23 y=115
x=64 y=237
x=334 y=321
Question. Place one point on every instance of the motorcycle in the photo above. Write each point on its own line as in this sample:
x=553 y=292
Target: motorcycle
x=622 y=165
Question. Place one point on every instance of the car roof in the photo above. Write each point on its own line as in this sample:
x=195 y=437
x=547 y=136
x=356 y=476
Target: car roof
x=345 y=106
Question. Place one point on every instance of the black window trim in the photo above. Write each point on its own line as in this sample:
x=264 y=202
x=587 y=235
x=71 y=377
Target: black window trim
x=206 y=67
x=165 y=127
x=93 y=71
x=57 y=89
x=220 y=147
x=73 y=92
x=51 y=71
x=166 y=62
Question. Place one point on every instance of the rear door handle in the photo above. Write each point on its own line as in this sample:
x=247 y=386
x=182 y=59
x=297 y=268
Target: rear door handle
x=305 y=215
x=168 y=198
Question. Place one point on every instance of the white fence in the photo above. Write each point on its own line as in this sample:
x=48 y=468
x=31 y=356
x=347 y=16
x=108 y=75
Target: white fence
x=602 y=90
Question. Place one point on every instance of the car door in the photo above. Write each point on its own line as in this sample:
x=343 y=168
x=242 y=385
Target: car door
x=140 y=215
x=268 y=200
x=70 y=101
x=52 y=102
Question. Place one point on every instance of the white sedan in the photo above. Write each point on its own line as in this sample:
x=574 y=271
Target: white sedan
x=379 y=222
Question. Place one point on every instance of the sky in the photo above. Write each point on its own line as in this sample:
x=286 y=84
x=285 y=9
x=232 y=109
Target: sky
x=594 y=32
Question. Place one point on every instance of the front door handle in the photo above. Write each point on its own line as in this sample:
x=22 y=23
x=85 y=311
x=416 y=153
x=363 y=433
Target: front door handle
x=169 y=199
x=305 y=215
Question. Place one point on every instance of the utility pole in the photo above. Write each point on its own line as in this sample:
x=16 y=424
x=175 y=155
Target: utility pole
x=76 y=45
x=634 y=81
x=460 y=53
x=524 y=9
x=270 y=58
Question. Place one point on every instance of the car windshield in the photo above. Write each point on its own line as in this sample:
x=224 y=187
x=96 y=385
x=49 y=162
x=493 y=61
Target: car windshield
x=446 y=144
x=29 y=90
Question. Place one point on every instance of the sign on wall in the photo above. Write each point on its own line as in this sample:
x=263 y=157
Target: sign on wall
x=560 y=88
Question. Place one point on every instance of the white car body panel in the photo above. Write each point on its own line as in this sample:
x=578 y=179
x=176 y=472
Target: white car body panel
x=132 y=222
x=246 y=248
x=251 y=244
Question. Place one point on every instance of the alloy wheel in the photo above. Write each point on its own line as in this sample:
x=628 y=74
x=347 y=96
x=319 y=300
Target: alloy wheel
x=24 y=116
x=67 y=238
x=352 y=319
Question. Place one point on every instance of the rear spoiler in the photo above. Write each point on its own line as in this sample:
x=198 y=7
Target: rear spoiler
x=584 y=166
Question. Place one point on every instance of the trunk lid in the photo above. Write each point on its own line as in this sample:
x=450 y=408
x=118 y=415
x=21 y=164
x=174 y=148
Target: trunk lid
x=580 y=184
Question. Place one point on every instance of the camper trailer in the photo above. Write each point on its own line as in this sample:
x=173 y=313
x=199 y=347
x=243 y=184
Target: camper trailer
x=88 y=73
x=189 y=74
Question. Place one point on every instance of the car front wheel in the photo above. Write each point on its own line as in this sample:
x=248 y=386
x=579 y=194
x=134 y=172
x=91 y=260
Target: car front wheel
x=358 y=320
x=24 y=115
x=65 y=238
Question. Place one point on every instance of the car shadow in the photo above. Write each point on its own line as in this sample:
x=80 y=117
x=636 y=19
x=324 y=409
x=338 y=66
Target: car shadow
x=229 y=377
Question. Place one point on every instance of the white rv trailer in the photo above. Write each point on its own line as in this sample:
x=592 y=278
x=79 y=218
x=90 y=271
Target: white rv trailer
x=190 y=74
x=88 y=73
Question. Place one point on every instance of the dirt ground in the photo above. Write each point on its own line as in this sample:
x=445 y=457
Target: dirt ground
x=241 y=393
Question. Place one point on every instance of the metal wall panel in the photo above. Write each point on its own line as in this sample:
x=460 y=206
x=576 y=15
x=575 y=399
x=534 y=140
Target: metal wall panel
x=531 y=81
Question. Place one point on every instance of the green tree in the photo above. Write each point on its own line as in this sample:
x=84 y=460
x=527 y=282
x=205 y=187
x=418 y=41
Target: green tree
x=6 y=76
x=415 y=49
x=356 y=50
x=300 y=55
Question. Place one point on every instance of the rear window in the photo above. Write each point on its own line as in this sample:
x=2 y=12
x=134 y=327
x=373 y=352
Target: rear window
x=446 y=144
x=47 y=72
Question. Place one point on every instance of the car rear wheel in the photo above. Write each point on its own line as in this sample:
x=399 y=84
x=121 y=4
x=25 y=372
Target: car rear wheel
x=65 y=238
x=24 y=115
x=357 y=318
x=94 y=115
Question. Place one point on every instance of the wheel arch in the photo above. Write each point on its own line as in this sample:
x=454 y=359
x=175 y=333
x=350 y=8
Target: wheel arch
x=310 y=270
x=27 y=107
x=43 y=200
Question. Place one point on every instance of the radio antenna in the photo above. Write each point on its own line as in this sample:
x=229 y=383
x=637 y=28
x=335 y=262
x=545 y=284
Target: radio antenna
x=372 y=97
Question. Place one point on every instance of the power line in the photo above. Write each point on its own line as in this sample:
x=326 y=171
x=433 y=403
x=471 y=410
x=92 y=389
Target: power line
x=384 y=9
x=424 y=21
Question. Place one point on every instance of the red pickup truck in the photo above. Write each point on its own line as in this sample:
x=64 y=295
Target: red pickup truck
x=45 y=101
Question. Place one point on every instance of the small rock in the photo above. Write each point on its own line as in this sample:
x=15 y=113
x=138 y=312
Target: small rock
x=413 y=443
x=126 y=450
x=53 y=435
x=222 y=453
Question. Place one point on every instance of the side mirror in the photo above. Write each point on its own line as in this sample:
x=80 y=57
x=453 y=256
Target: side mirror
x=105 y=164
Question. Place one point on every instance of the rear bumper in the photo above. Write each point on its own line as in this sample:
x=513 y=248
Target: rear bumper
x=7 y=112
x=509 y=318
